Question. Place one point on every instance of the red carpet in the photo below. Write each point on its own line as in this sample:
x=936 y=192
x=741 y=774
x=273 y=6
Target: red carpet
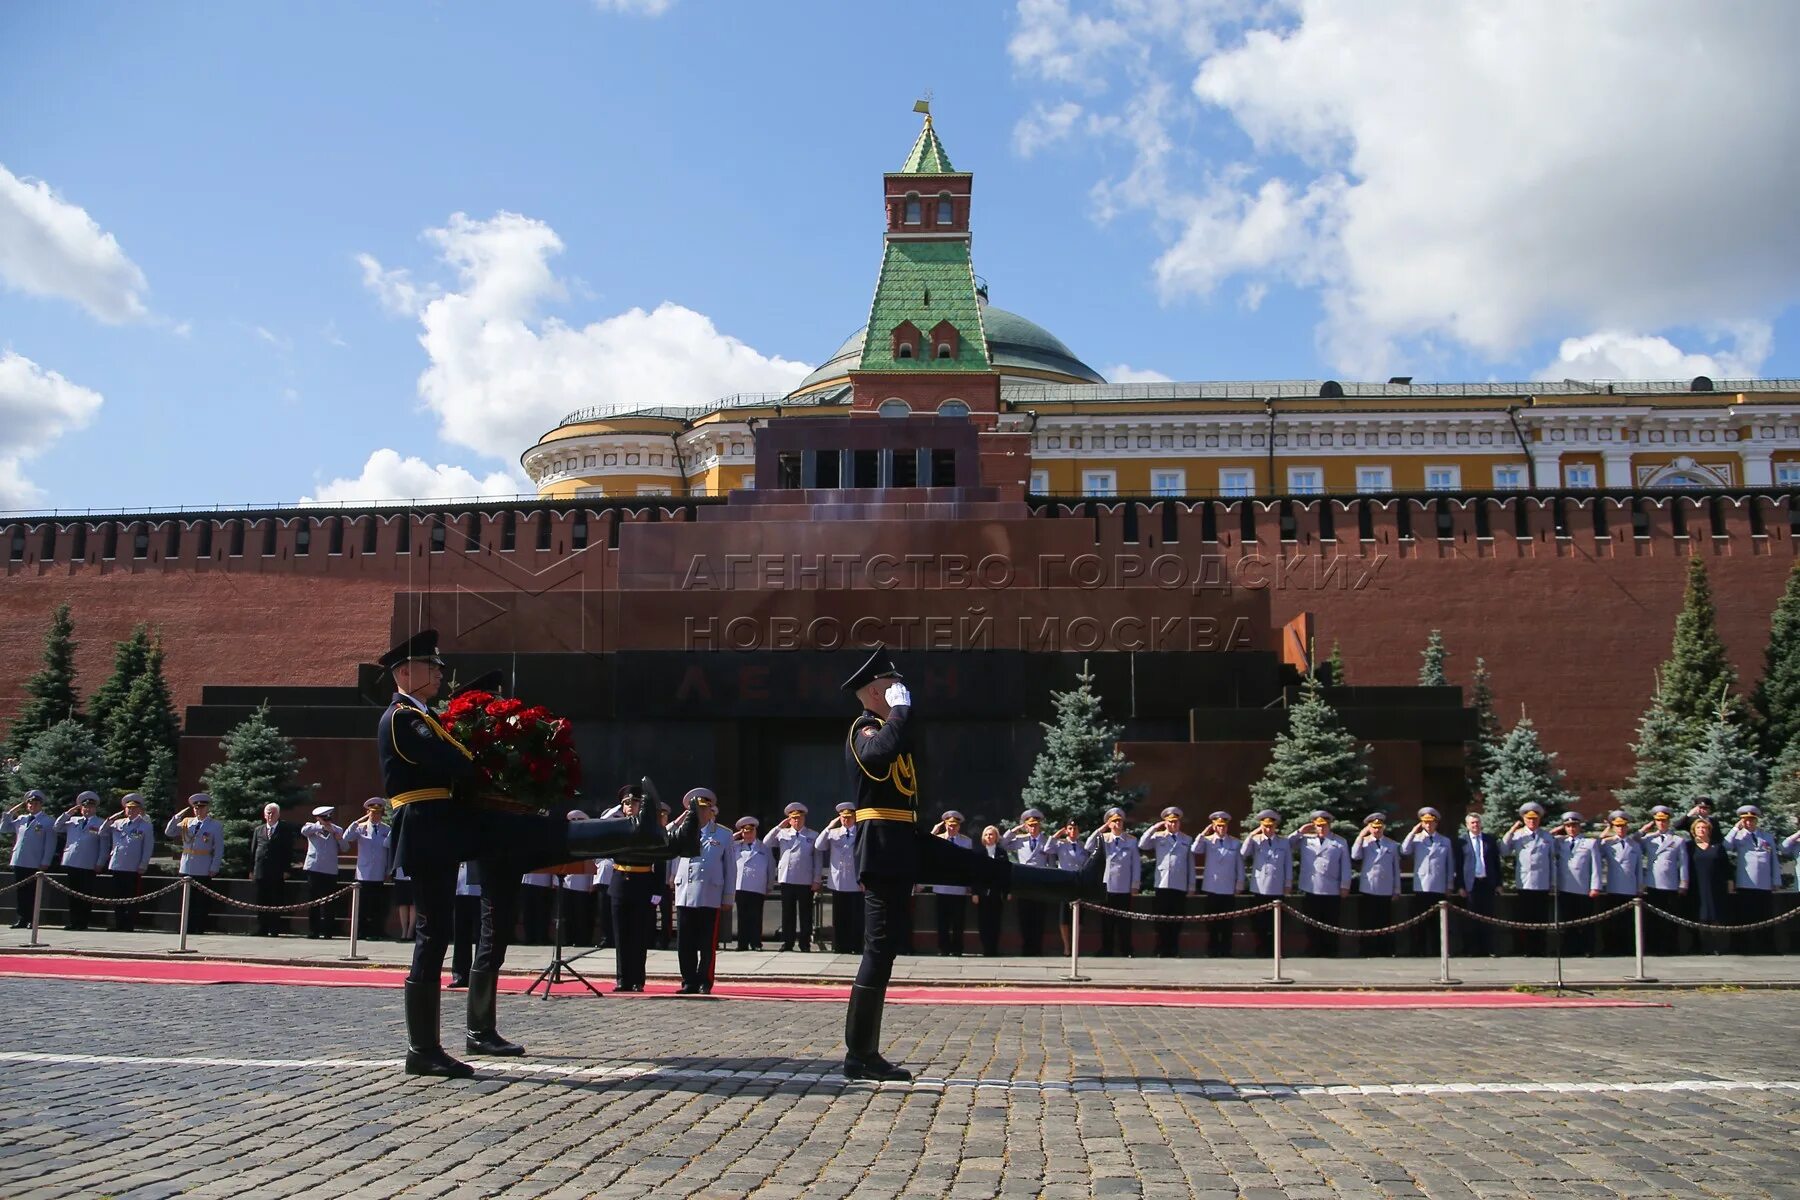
x=189 y=971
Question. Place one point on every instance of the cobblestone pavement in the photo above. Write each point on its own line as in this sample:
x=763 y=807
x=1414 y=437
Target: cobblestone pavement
x=138 y=1091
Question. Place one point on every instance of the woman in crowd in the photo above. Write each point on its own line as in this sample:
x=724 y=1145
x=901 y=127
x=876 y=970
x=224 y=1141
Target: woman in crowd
x=1709 y=874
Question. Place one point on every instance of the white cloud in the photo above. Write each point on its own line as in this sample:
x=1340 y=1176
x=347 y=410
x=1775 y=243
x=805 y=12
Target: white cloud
x=501 y=373
x=1615 y=355
x=636 y=8
x=49 y=247
x=36 y=408
x=387 y=476
x=396 y=290
x=1122 y=373
x=1471 y=175
x=1045 y=126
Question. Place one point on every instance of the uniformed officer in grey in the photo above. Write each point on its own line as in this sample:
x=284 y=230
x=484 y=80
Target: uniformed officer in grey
x=1434 y=874
x=705 y=885
x=1221 y=862
x=1268 y=866
x=836 y=848
x=796 y=875
x=34 y=848
x=1173 y=851
x=129 y=839
x=1577 y=881
x=1324 y=877
x=754 y=875
x=1665 y=878
x=372 y=840
x=1069 y=855
x=1533 y=852
x=1621 y=879
x=84 y=845
x=951 y=900
x=1122 y=872
x=1376 y=857
x=202 y=853
x=324 y=839
x=1758 y=877
x=1030 y=845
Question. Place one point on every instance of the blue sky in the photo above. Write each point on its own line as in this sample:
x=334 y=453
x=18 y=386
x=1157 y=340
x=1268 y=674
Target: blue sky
x=1175 y=188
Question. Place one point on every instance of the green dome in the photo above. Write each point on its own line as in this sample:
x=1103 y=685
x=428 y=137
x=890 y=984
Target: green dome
x=1013 y=344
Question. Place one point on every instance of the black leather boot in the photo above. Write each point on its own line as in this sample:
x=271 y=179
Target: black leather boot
x=424 y=1055
x=684 y=834
x=603 y=839
x=862 y=1037
x=1048 y=883
x=484 y=987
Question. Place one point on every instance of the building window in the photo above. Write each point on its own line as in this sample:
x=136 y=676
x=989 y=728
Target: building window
x=1510 y=477
x=749 y=484
x=912 y=216
x=1443 y=479
x=1306 y=481
x=590 y=491
x=1374 y=479
x=1237 y=481
x=904 y=350
x=1787 y=474
x=943 y=350
x=1040 y=483
x=895 y=407
x=650 y=489
x=1099 y=483
x=953 y=408
x=946 y=212
x=1578 y=475
x=1168 y=483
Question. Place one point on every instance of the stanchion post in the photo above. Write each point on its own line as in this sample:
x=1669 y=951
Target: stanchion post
x=355 y=921
x=187 y=885
x=1444 y=979
x=1075 y=974
x=37 y=908
x=1277 y=976
x=1637 y=921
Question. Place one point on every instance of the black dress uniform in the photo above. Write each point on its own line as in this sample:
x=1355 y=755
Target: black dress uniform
x=420 y=761
x=893 y=854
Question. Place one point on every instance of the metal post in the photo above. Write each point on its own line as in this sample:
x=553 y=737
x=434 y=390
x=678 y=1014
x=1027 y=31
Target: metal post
x=1277 y=977
x=187 y=885
x=37 y=908
x=1444 y=979
x=1075 y=943
x=1637 y=920
x=355 y=921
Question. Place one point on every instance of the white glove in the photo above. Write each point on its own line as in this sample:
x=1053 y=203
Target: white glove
x=898 y=695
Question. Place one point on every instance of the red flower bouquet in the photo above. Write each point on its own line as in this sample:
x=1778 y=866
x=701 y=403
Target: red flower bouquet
x=523 y=752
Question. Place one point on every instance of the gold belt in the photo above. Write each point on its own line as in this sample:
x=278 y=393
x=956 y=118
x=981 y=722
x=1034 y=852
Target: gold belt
x=904 y=815
x=632 y=870
x=417 y=794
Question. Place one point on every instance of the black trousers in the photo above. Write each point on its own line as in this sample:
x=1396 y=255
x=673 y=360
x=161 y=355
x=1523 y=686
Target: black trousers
x=1663 y=936
x=1422 y=939
x=696 y=944
x=125 y=886
x=374 y=904
x=887 y=900
x=634 y=919
x=320 y=918
x=1750 y=905
x=749 y=919
x=664 y=938
x=466 y=928
x=26 y=894
x=1115 y=932
x=989 y=908
x=1262 y=925
x=1532 y=908
x=80 y=879
x=199 y=903
x=796 y=915
x=1328 y=908
x=1170 y=902
x=952 y=922
x=1218 y=933
x=1374 y=912
x=1478 y=936
x=1572 y=906
x=268 y=892
x=534 y=904
x=846 y=922
x=1031 y=926
x=603 y=929
x=578 y=917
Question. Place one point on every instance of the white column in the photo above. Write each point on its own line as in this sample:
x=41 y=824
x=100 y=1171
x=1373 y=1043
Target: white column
x=1618 y=467
x=1757 y=471
x=1546 y=465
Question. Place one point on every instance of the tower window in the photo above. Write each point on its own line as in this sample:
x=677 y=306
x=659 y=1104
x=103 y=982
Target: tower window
x=943 y=350
x=904 y=350
x=946 y=212
x=914 y=213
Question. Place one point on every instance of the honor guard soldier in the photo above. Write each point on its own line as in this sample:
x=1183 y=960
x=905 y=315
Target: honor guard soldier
x=1173 y=851
x=202 y=853
x=893 y=854
x=796 y=875
x=634 y=891
x=1324 y=876
x=1621 y=878
x=324 y=840
x=754 y=874
x=704 y=888
x=1221 y=859
x=1434 y=874
x=1665 y=876
x=130 y=838
x=836 y=849
x=84 y=845
x=1268 y=865
x=1577 y=880
x=420 y=762
x=1122 y=871
x=1069 y=855
x=951 y=900
x=1758 y=877
x=1377 y=860
x=1533 y=852
x=372 y=838
x=34 y=848
x=1030 y=845
x=273 y=844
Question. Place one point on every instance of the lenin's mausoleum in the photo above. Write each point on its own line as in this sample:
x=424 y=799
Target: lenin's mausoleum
x=691 y=583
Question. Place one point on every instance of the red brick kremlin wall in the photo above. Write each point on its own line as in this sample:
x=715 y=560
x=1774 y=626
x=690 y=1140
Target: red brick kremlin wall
x=1571 y=622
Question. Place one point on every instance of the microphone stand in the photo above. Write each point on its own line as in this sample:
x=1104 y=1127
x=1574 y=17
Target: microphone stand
x=559 y=966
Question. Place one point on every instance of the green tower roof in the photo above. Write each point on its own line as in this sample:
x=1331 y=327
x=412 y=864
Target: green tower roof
x=927 y=157
x=925 y=282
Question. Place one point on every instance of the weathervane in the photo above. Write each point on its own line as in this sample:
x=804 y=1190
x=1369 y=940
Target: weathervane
x=924 y=106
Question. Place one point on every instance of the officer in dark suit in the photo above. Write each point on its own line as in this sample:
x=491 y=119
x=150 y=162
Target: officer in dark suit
x=893 y=854
x=1477 y=879
x=273 y=845
x=420 y=763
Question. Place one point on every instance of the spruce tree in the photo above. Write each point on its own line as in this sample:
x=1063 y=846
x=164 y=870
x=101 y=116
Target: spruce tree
x=1339 y=675
x=158 y=784
x=129 y=660
x=1316 y=763
x=1076 y=775
x=1660 y=776
x=1726 y=767
x=1521 y=771
x=1488 y=734
x=259 y=767
x=1431 y=670
x=64 y=761
x=1777 y=695
x=1781 y=797
x=1697 y=672
x=143 y=724
x=51 y=690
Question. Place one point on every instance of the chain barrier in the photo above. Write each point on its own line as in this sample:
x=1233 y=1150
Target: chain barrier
x=1343 y=932
x=1189 y=918
x=1544 y=925
x=17 y=883
x=107 y=901
x=276 y=908
x=1705 y=928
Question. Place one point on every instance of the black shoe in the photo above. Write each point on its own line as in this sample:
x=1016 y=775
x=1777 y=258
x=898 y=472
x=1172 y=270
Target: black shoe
x=457 y=983
x=424 y=1055
x=877 y=1068
x=433 y=1061
x=706 y=989
x=688 y=989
